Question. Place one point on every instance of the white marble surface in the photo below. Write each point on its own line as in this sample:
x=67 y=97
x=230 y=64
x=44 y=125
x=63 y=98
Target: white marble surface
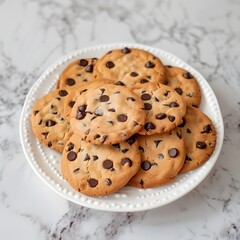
x=33 y=34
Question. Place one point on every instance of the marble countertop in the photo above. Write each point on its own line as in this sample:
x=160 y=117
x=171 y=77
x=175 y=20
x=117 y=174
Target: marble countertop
x=33 y=34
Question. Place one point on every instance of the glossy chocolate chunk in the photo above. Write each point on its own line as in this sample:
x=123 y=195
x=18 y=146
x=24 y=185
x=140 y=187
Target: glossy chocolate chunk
x=107 y=164
x=63 y=93
x=161 y=116
x=50 y=123
x=110 y=64
x=149 y=64
x=146 y=165
x=173 y=152
x=89 y=68
x=187 y=75
x=70 y=81
x=148 y=126
x=122 y=118
x=126 y=50
x=146 y=96
x=201 y=145
x=125 y=161
x=93 y=182
x=83 y=62
x=71 y=156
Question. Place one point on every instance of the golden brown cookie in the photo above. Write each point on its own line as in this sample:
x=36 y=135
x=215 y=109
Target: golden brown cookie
x=49 y=124
x=163 y=156
x=185 y=85
x=77 y=73
x=200 y=136
x=108 y=114
x=97 y=170
x=130 y=66
x=164 y=107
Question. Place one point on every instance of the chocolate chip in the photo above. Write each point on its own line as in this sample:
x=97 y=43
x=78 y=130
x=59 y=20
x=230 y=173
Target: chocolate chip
x=119 y=83
x=148 y=126
x=125 y=150
x=171 y=118
x=89 y=68
x=187 y=158
x=133 y=74
x=194 y=105
x=117 y=145
x=76 y=170
x=169 y=66
x=110 y=64
x=135 y=123
x=45 y=134
x=36 y=112
x=146 y=165
x=109 y=52
x=141 y=149
x=161 y=116
x=125 y=161
x=97 y=136
x=111 y=122
x=104 y=98
x=50 y=123
x=71 y=156
x=87 y=157
x=179 y=90
x=187 y=75
x=144 y=81
x=179 y=135
x=63 y=93
x=122 y=118
x=70 y=146
x=108 y=181
x=111 y=110
x=166 y=93
x=107 y=164
x=157 y=142
x=71 y=104
x=160 y=156
x=104 y=138
x=55 y=113
x=95 y=157
x=81 y=112
x=141 y=182
x=83 y=62
x=82 y=91
x=207 y=129
x=173 y=152
x=183 y=123
x=146 y=96
x=126 y=50
x=173 y=104
x=40 y=122
x=147 y=106
x=149 y=64
x=131 y=140
x=49 y=144
x=201 y=145
x=102 y=90
x=58 y=98
x=70 y=81
x=92 y=182
x=117 y=92
x=188 y=130
x=131 y=98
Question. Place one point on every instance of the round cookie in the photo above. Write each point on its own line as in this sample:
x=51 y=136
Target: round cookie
x=108 y=114
x=97 y=170
x=130 y=66
x=76 y=73
x=49 y=124
x=76 y=92
x=163 y=156
x=185 y=85
x=164 y=108
x=200 y=136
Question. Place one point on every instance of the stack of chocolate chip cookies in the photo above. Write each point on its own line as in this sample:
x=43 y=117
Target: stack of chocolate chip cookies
x=124 y=119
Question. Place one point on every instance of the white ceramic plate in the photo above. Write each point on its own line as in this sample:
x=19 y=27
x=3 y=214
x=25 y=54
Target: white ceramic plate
x=46 y=162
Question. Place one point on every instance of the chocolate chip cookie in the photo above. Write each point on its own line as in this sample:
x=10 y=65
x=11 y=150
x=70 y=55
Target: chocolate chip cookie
x=49 y=124
x=108 y=114
x=163 y=156
x=130 y=66
x=185 y=84
x=98 y=170
x=163 y=106
x=200 y=136
x=76 y=73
